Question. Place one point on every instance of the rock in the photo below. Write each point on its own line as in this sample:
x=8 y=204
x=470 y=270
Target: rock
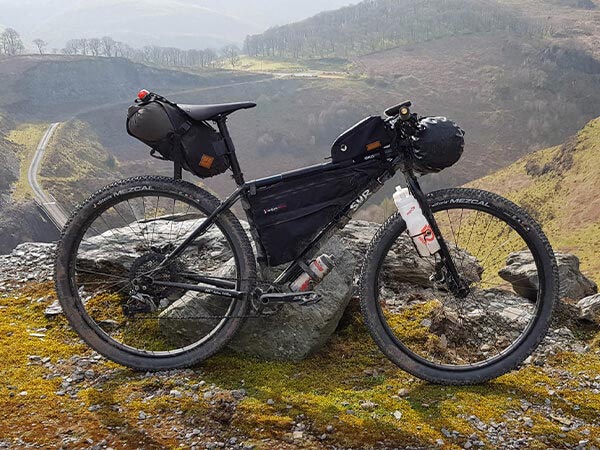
x=297 y=435
x=590 y=309
x=402 y=264
x=397 y=415
x=368 y=405
x=175 y=393
x=297 y=331
x=521 y=272
x=53 y=310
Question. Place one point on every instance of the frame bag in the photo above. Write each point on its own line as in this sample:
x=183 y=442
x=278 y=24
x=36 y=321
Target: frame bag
x=162 y=125
x=289 y=214
x=364 y=141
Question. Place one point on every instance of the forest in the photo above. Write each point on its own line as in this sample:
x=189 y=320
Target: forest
x=377 y=25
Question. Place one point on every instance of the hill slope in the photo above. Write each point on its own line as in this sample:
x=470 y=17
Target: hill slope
x=559 y=186
x=375 y=25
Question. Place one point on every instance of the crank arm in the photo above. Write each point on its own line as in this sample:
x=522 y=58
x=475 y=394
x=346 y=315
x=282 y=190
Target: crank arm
x=303 y=298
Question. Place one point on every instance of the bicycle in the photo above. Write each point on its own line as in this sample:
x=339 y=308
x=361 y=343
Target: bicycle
x=140 y=251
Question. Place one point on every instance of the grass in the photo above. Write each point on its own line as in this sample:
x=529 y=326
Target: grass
x=27 y=136
x=327 y=389
x=76 y=164
x=286 y=65
x=559 y=187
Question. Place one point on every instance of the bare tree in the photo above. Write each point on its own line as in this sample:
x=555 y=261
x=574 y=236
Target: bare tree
x=71 y=47
x=231 y=54
x=41 y=45
x=10 y=42
x=108 y=45
x=95 y=46
x=82 y=45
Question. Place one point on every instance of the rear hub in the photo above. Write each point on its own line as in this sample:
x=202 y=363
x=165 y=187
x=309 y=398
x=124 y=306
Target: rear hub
x=145 y=296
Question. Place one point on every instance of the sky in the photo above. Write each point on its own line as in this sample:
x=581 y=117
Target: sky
x=179 y=23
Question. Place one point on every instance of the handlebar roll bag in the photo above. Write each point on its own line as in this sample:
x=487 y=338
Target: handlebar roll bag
x=438 y=144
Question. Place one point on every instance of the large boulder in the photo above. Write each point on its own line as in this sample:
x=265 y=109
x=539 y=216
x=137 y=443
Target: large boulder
x=297 y=331
x=291 y=334
x=522 y=273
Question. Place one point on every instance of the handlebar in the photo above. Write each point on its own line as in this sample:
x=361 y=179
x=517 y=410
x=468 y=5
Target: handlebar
x=402 y=119
x=402 y=110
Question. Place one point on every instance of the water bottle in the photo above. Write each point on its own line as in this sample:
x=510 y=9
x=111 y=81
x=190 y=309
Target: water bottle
x=419 y=229
x=320 y=267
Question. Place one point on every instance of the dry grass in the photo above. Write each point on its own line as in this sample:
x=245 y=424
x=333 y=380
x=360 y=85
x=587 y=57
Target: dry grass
x=561 y=191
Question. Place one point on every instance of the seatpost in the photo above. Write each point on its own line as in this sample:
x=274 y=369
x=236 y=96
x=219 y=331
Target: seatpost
x=238 y=176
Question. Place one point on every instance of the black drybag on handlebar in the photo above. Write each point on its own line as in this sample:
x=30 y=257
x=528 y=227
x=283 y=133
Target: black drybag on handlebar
x=438 y=144
x=162 y=125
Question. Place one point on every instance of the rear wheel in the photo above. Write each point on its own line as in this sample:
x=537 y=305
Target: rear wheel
x=508 y=264
x=120 y=300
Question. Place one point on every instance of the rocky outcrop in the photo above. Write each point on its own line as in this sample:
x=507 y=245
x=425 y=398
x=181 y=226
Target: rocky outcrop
x=291 y=334
x=31 y=261
x=521 y=272
x=296 y=331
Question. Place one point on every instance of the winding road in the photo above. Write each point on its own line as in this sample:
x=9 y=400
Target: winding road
x=44 y=200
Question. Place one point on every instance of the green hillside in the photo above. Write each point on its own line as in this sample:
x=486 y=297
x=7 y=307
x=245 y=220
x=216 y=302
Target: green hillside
x=376 y=25
x=559 y=186
x=76 y=164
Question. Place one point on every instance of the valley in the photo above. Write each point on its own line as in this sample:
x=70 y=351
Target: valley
x=514 y=81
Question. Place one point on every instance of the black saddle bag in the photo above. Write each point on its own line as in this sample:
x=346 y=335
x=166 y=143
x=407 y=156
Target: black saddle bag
x=365 y=140
x=168 y=130
x=289 y=214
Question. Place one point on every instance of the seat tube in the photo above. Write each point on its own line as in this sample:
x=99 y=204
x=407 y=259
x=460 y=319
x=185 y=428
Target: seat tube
x=238 y=176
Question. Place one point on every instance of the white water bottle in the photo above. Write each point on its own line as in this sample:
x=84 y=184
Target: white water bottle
x=419 y=229
x=320 y=268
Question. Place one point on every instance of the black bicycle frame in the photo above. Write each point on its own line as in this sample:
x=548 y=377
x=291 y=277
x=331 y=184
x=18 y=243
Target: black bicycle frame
x=394 y=161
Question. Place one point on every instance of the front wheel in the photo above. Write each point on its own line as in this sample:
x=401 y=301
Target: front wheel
x=505 y=259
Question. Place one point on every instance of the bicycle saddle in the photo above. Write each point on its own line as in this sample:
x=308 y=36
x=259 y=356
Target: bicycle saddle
x=210 y=112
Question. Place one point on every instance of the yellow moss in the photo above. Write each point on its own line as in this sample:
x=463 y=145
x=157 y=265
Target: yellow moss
x=328 y=388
